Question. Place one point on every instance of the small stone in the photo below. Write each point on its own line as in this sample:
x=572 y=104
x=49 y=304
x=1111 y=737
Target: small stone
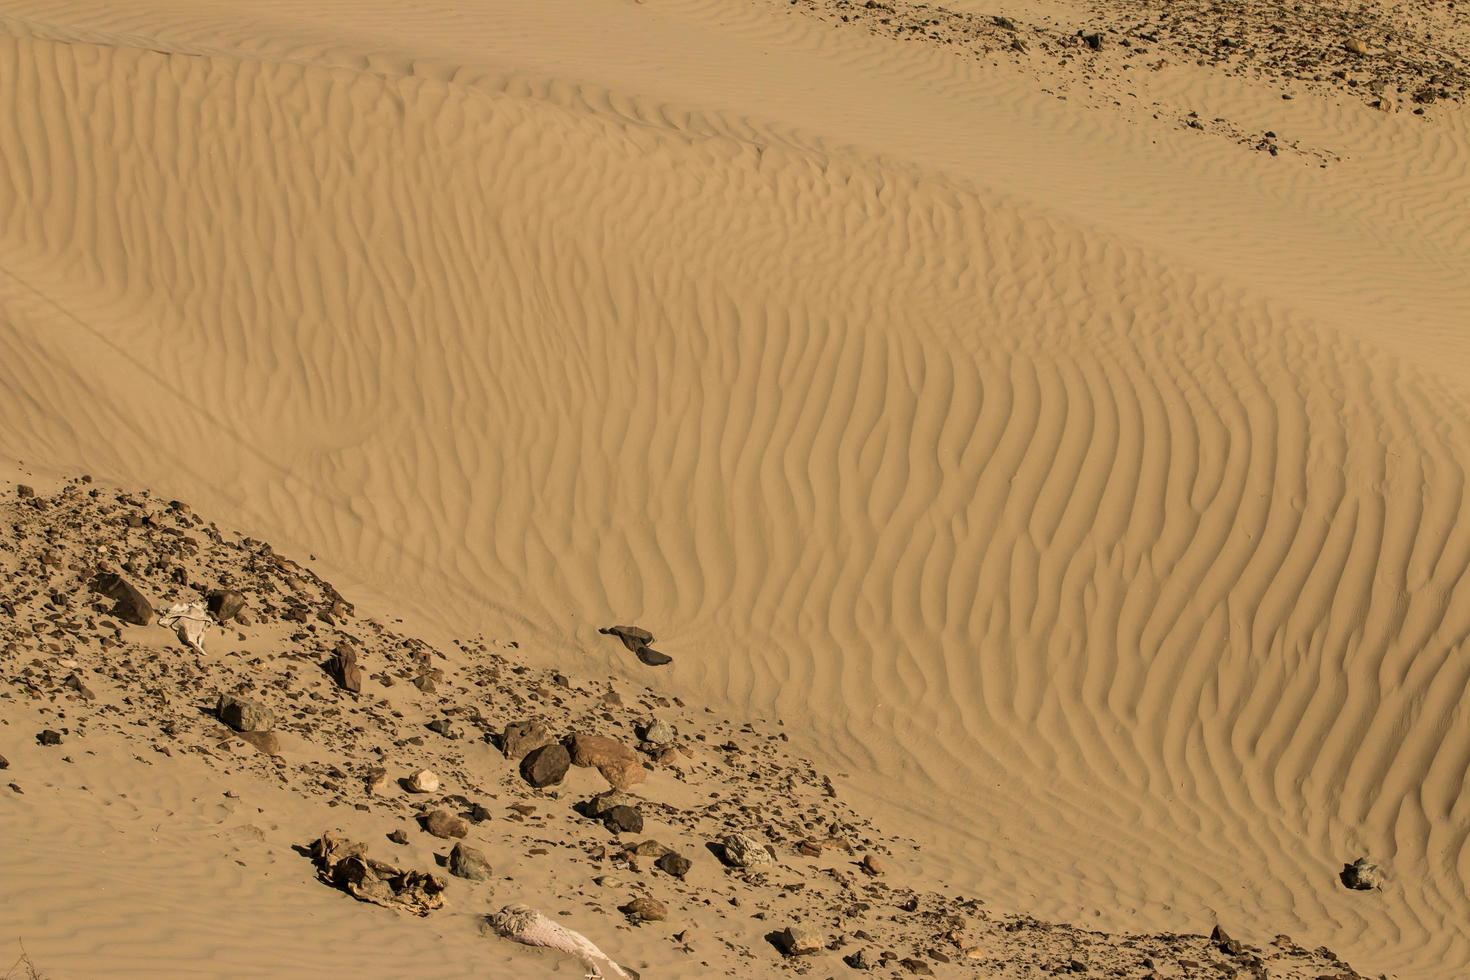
x=442 y=823
x=799 y=941
x=921 y=969
x=872 y=865
x=49 y=737
x=24 y=492
x=744 y=851
x=244 y=715
x=399 y=836
x=1361 y=876
x=1355 y=46
x=423 y=781
x=674 y=864
x=443 y=726
x=4 y=762
x=623 y=820
x=546 y=766
x=225 y=604
x=469 y=862
x=645 y=909
x=858 y=960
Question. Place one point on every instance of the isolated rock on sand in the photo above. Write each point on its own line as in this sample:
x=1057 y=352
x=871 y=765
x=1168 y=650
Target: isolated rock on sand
x=1361 y=876
x=375 y=780
x=225 y=604
x=74 y=682
x=24 y=492
x=131 y=606
x=645 y=909
x=637 y=640
x=48 y=737
x=520 y=738
x=800 y=941
x=244 y=715
x=872 y=865
x=344 y=864
x=442 y=823
x=4 y=762
x=344 y=669
x=546 y=766
x=443 y=726
x=618 y=763
x=674 y=864
x=423 y=781
x=469 y=862
x=743 y=851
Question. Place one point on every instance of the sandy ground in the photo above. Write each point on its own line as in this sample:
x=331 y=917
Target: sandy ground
x=1081 y=486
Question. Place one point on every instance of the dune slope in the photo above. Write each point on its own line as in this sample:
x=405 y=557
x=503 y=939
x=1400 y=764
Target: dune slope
x=1108 y=534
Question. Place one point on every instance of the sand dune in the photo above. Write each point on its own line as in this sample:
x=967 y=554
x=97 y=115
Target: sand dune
x=1092 y=494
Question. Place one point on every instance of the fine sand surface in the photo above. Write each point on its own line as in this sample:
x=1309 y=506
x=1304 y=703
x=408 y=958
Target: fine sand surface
x=1086 y=488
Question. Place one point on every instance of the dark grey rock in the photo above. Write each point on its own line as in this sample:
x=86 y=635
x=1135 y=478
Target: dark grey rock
x=623 y=820
x=546 y=766
x=131 y=605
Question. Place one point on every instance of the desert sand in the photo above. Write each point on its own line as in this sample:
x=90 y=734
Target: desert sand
x=1050 y=418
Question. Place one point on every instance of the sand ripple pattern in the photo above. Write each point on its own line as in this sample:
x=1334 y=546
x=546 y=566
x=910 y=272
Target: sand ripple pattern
x=1149 y=591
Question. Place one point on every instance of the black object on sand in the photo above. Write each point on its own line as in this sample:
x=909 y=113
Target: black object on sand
x=637 y=639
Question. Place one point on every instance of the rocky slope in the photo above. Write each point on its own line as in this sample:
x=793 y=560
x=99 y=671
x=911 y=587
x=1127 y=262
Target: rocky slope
x=684 y=831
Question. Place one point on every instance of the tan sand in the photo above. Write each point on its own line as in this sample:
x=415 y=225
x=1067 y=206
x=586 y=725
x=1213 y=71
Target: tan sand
x=1085 y=487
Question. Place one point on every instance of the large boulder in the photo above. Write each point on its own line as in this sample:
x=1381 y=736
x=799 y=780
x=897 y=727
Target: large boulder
x=469 y=862
x=344 y=668
x=618 y=763
x=225 y=604
x=443 y=824
x=674 y=863
x=743 y=851
x=131 y=605
x=520 y=738
x=546 y=766
x=800 y=941
x=244 y=715
x=645 y=909
x=623 y=819
x=423 y=781
x=599 y=806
